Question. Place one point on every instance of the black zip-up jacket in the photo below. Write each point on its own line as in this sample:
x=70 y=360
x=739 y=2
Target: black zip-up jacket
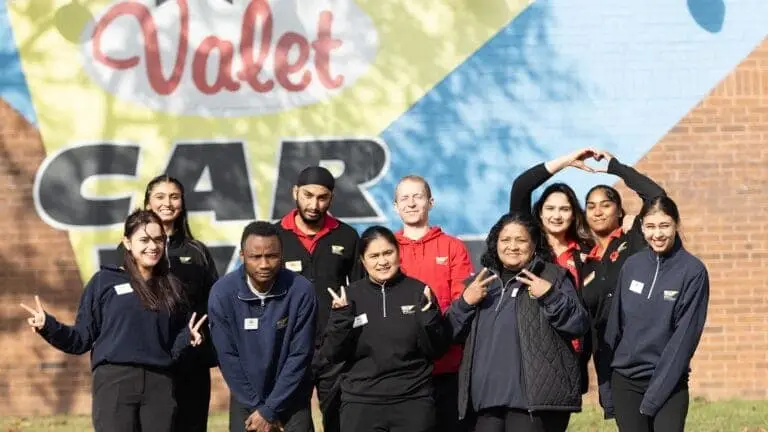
x=535 y=345
x=600 y=277
x=113 y=324
x=333 y=263
x=386 y=340
x=656 y=320
x=191 y=262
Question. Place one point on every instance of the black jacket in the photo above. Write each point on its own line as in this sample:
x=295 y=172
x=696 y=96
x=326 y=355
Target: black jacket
x=656 y=320
x=115 y=326
x=543 y=354
x=386 y=340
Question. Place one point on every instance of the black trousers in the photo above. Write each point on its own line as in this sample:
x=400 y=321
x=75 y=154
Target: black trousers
x=514 y=420
x=329 y=396
x=298 y=420
x=417 y=415
x=627 y=396
x=446 y=393
x=192 y=387
x=132 y=398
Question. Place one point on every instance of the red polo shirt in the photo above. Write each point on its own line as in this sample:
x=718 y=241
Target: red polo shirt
x=308 y=241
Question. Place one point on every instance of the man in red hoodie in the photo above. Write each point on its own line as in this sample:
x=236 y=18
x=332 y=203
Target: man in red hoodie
x=442 y=262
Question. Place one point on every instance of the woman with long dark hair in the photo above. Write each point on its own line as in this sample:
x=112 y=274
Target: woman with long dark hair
x=132 y=319
x=388 y=329
x=655 y=323
x=516 y=319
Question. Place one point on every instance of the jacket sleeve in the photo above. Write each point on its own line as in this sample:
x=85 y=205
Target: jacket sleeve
x=691 y=315
x=458 y=319
x=613 y=325
x=461 y=269
x=523 y=187
x=338 y=340
x=79 y=338
x=435 y=334
x=224 y=336
x=564 y=309
x=646 y=188
x=183 y=338
x=293 y=373
x=356 y=271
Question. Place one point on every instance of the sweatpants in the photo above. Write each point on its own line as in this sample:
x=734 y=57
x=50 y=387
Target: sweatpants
x=515 y=420
x=627 y=397
x=415 y=415
x=446 y=394
x=131 y=398
x=297 y=420
x=192 y=387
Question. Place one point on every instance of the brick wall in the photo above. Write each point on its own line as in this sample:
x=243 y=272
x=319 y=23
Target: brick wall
x=712 y=163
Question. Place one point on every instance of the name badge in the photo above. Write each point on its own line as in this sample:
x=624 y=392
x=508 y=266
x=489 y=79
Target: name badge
x=514 y=292
x=294 y=266
x=251 y=324
x=360 y=321
x=123 y=289
x=636 y=287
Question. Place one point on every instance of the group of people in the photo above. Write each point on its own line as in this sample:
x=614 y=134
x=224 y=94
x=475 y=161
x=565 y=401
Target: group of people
x=395 y=331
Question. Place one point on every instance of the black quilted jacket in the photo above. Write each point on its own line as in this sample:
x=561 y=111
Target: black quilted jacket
x=551 y=374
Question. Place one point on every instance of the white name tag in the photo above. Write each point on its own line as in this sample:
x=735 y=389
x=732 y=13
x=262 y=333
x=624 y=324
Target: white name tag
x=514 y=292
x=360 y=321
x=636 y=287
x=123 y=289
x=294 y=266
x=251 y=324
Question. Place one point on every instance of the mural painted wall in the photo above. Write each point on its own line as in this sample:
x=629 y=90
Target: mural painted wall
x=235 y=97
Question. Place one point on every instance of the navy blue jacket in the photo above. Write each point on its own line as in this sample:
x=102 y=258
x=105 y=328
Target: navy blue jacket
x=112 y=322
x=656 y=320
x=265 y=347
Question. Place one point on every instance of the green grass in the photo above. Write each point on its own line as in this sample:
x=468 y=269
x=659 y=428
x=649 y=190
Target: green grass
x=730 y=416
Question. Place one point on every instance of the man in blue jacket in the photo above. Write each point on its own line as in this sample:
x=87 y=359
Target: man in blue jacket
x=262 y=320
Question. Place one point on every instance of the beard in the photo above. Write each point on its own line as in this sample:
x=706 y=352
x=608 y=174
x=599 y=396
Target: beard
x=314 y=220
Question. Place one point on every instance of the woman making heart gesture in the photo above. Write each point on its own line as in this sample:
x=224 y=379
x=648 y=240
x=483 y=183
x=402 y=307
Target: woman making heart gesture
x=133 y=321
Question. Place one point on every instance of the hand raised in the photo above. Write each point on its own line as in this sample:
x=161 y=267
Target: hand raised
x=195 y=336
x=478 y=289
x=537 y=286
x=37 y=320
x=578 y=158
x=340 y=300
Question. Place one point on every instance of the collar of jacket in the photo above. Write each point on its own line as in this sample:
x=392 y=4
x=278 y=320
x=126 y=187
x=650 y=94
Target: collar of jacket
x=279 y=286
x=677 y=246
x=394 y=280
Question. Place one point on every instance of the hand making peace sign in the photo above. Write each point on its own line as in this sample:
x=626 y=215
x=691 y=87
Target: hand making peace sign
x=478 y=289
x=37 y=320
x=338 y=301
x=537 y=286
x=195 y=337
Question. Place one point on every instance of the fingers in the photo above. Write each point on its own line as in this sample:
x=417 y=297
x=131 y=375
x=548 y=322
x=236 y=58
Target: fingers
x=481 y=275
x=39 y=305
x=335 y=297
x=29 y=309
x=200 y=323
x=192 y=320
x=343 y=293
x=31 y=321
x=485 y=282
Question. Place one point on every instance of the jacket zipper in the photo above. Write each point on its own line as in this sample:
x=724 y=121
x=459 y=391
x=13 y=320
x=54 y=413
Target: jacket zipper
x=655 y=275
x=384 y=299
x=501 y=299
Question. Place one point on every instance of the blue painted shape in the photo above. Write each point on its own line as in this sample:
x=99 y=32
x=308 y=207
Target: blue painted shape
x=562 y=75
x=13 y=85
x=708 y=14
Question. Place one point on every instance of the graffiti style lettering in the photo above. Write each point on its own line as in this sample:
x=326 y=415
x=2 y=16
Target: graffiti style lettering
x=255 y=48
x=57 y=191
x=230 y=197
x=364 y=161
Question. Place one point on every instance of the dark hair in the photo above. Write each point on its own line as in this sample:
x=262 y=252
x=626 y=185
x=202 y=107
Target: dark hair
x=663 y=204
x=578 y=229
x=259 y=229
x=162 y=290
x=612 y=195
x=491 y=258
x=374 y=232
x=181 y=224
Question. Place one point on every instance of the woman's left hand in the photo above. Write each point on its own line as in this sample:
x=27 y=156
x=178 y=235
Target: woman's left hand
x=537 y=286
x=195 y=336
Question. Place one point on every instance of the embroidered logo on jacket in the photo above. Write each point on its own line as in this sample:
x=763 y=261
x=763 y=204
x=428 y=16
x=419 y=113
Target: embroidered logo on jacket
x=441 y=260
x=670 y=295
x=336 y=249
x=408 y=309
x=281 y=323
x=185 y=260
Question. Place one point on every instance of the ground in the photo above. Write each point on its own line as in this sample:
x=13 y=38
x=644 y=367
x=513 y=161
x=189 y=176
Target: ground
x=730 y=416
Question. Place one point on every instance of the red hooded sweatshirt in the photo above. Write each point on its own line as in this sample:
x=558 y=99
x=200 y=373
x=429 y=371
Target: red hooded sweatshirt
x=442 y=262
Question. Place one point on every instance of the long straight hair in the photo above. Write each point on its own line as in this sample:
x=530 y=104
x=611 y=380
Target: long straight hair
x=162 y=291
x=181 y=224
x=578 y=230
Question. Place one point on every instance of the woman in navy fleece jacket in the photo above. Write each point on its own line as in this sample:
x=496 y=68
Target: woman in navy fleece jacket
x=655 y=324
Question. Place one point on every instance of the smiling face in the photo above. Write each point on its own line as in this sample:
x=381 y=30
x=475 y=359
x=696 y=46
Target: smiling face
x=660 y=231
x=515 y=246
x=412 y=202
x=603 y=215
x=146 y=245
x=556 y=214
x=381 y=259
x=165 y=200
